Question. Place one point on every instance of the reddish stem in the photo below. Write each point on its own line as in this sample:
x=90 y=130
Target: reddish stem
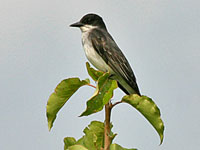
x=92 y=86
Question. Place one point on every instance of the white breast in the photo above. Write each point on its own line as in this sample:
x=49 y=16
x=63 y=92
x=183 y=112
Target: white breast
x=92 y=55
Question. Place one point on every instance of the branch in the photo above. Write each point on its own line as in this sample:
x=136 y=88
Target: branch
x=112 y=105
x=92 y=86
x=107 y=138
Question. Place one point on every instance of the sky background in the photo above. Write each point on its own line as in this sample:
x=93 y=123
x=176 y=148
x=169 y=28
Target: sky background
x=38 y=49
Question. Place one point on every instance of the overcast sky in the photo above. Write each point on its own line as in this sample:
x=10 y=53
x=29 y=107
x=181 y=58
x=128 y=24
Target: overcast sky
x=38 y=49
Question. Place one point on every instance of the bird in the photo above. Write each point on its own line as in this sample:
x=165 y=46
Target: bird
x=104 y=54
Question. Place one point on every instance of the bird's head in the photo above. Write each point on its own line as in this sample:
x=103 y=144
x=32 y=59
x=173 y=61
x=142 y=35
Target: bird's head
x=89 y=22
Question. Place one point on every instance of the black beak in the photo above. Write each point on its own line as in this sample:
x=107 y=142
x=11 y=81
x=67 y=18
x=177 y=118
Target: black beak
x=77 y=24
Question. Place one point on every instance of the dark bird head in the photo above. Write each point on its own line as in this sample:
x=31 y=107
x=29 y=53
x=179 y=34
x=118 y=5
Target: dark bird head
x=90 y=21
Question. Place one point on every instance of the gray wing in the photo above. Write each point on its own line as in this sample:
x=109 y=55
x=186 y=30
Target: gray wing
x=113 y=56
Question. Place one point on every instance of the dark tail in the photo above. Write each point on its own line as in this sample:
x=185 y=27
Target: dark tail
x=125 y=91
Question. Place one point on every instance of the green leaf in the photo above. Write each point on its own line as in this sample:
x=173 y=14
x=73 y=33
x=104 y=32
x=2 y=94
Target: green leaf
x=148 y=109
x=102 y=95
x=118 y=147
x=62 y=93
x=94 y=74
x=77 y=147
x=94 y=136
x=69 y=141
x=97 y=130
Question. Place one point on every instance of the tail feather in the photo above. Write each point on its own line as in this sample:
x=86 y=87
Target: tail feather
x=125 y=91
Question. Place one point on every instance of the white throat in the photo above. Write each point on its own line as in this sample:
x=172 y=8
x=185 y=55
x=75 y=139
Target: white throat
x=87 y=28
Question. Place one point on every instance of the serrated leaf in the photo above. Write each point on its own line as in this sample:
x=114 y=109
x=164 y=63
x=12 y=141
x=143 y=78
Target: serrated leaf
x=94 y=74
x=118 y=147
x=148 y=109
x=69 y=141
x=102 y=95
x=77 y=147
x=63 y=92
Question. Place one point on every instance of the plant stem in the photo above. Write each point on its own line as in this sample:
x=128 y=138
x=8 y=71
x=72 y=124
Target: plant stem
x=107 y=138
x=92 y=86
x=115 y=104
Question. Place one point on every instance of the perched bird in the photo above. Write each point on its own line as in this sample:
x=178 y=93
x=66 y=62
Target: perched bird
x=102 y=51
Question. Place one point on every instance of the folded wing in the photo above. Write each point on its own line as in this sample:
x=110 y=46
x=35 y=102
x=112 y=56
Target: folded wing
x=113 y=56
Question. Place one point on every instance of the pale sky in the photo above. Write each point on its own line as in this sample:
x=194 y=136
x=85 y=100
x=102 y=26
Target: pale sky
x=38 y=49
